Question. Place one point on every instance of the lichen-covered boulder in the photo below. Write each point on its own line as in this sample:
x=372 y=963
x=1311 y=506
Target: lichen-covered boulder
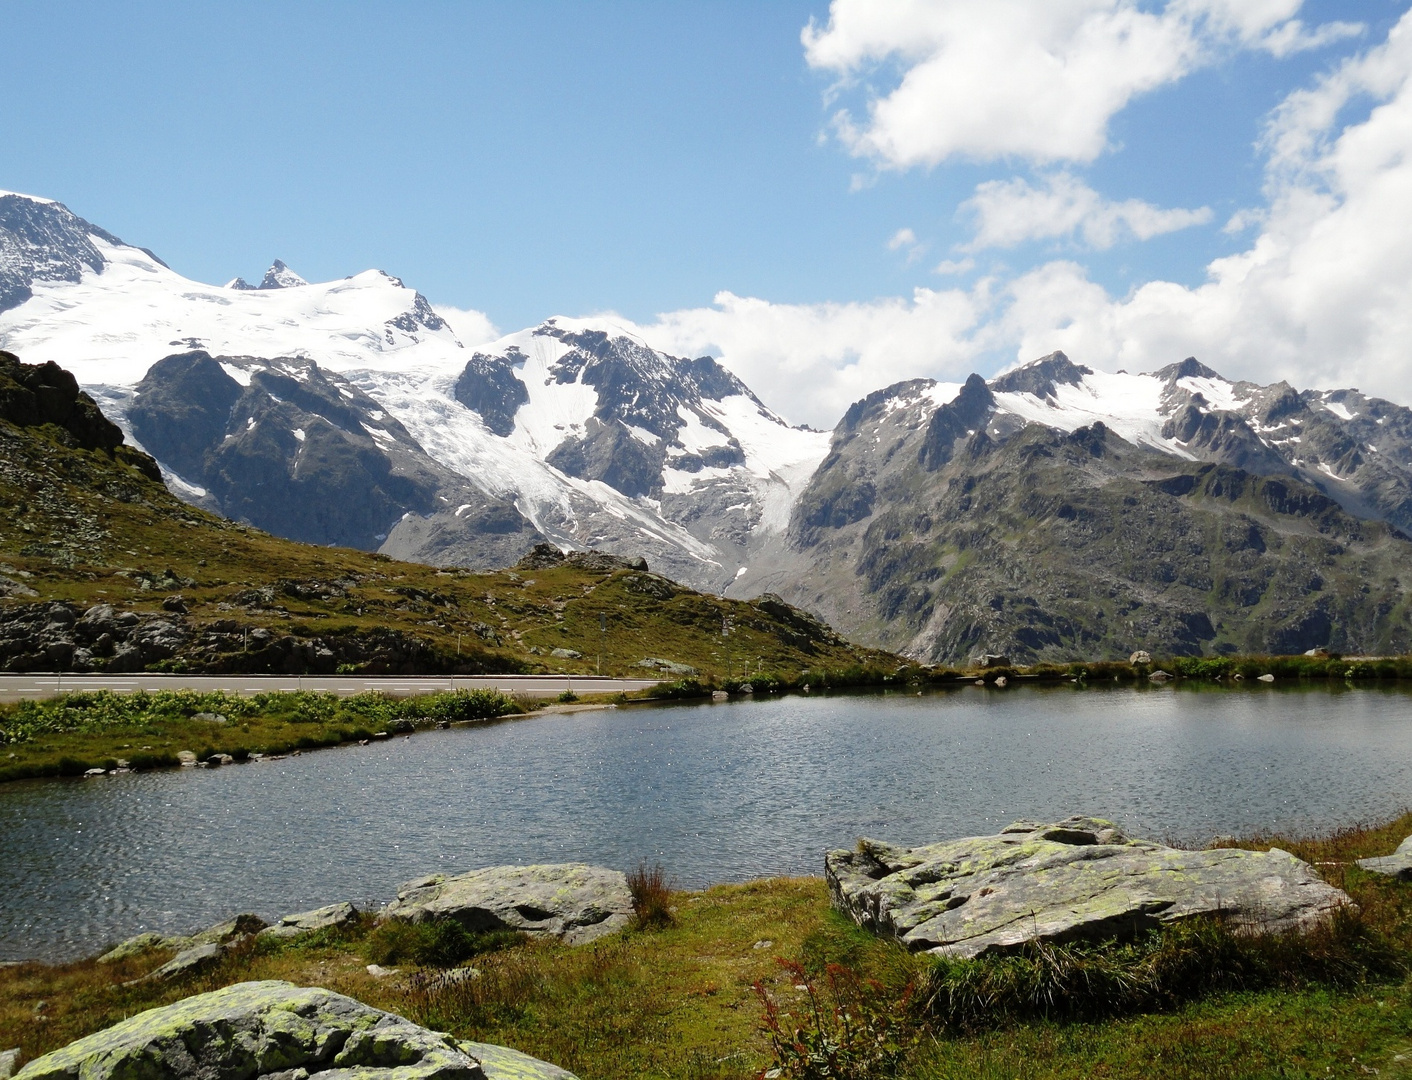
x=1397 y=865
x=278 y=1031
x=1075 y=879
x=570 y=901
x=141 y=943
x=306 y=922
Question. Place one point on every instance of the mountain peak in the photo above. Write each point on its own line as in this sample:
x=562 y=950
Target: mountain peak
x=1190 y=368
x=1039 y=377
x=279 y=276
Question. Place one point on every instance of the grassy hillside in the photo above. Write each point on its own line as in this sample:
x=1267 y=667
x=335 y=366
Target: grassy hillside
x=84 y=522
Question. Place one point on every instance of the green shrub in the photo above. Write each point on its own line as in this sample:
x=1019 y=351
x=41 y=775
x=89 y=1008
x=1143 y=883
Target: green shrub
x=442 y=943
x=1173 y=964
x=854 y=1031
x=69 y=766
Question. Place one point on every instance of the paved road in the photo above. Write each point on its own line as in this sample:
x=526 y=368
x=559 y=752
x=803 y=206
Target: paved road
x=19 y=687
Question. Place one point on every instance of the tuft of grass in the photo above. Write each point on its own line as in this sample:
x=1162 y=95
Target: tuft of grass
x=1166 y=968
x=651 y=896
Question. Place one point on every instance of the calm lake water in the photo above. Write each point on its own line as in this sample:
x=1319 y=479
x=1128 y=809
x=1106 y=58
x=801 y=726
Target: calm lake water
x=714 y=792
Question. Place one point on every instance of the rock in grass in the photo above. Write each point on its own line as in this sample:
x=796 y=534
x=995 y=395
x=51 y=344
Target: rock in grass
x=190 y=961
x=570 y=901
x=9 y=1062
x=1398 y=864
x=1075 y=879
x=278 y=1030
x=305 y=922
x=141 y=943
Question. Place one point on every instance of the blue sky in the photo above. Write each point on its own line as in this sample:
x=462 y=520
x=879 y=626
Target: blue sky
x=524 y=160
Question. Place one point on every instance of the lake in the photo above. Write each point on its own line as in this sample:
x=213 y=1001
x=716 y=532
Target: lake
x=715 y=792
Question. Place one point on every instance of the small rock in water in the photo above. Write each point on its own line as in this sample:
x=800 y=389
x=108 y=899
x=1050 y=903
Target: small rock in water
x=1001 y=682
x=95 y=772
x=1160 y=676
x=186 y=757
x=1267 y=677
x=719 y=695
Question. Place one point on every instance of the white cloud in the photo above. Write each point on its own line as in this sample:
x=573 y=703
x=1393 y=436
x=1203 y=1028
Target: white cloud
x=902 y=238
x=954 y=266
x=1010 y=212
x=809 y=362
x=470 y=326
x=1032 y=79
x=1323 y=295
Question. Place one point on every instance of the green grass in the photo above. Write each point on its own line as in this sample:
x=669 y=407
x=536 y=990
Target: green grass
x=65 y=736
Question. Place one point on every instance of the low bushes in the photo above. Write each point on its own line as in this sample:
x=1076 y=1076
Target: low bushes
x=651 y=896
x=1086 y=981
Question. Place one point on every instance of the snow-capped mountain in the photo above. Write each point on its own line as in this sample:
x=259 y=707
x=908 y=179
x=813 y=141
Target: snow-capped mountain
x=280 y=403
x=1058 y=511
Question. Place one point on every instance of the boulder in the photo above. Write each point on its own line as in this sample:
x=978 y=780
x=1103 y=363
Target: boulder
x=190 y=961
x=570 y=901
x=305 y=922
x=284 y=1032
x=139 y=944
x=1398 y=864
x=1142 y=656
x=1075 y=879
x=9 y=1062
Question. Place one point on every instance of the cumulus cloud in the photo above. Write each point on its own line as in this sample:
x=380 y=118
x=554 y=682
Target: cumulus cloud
x=1321 y=296
x=809 y=362
x=471 y=327
x=902 y=238
x=1032 y=79
x=1010 y=212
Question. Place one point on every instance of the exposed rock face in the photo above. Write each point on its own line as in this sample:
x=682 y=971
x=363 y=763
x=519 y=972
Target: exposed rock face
x=303 y=453
x=277 y=1030
x=992 y=520
x=1078 y=878
x=545 y=556
x=570 y=901
x=1398 y=864
x=306 y=922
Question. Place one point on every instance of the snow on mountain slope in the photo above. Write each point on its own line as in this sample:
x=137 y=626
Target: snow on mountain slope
x=594 y=437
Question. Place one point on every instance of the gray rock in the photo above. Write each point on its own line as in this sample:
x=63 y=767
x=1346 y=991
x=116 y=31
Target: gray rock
x=190 y=961
x=305 y=922
x=277 y=1030
x=141 y=943
x=1160 y=676
x=1142 y=656
x=570 y=901
x=566 y=654
x=502 y=1063
x=1079 y=878
x=9 y=1062
x=1398 y=864
x=989 y=660
x=222 y=933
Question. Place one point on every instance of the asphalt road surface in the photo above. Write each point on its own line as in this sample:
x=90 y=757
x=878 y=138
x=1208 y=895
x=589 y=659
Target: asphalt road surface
x=19 y=687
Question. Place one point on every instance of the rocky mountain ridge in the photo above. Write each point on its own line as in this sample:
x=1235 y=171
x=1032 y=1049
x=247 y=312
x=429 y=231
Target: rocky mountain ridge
x=574 y=431
x=1196 y=515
